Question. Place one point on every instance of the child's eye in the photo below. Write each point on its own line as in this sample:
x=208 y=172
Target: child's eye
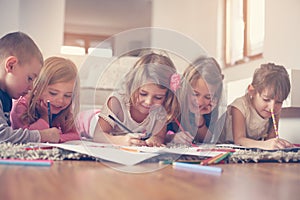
x=143 y=94
x=208 y=97
x=196 y=94
x=159 y=97
x=30 y=79
x=68 y=96
x=52 y=93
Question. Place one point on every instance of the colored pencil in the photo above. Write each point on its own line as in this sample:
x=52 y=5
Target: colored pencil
x=49 y=114
x=182 y=129
x=225 y=155
x=197 y=168
x=274 y=123
x=120 y=124
x=211 y=160
x=26 y=162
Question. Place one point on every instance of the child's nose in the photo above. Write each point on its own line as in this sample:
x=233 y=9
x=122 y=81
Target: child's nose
x=201 y=101
x=60 y=100
x=30 y=86
x=148 y=100
x=271 y=105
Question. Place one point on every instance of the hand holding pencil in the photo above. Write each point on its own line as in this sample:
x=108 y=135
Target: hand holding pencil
x=50 y=135
x=277 y=143
x=44 y=110
x=130 y=138
x=183 y=137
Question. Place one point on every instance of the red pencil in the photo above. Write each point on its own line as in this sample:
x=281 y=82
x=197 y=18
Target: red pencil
x=181 y=128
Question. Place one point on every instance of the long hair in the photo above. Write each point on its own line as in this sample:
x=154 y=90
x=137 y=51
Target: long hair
x=154 y=68
x=55 y=70
x=208 y=69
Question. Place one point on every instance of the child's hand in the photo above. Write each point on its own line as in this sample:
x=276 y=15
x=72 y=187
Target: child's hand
x=155 y=141
x=130 y=139
x=50 y=135
x=277 y=143
x=182 y=138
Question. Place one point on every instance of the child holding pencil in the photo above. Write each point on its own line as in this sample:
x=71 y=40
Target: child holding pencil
x=200 y=93
x=252 y=119
x=20 y=63
x=50 y=101
x=144 y=104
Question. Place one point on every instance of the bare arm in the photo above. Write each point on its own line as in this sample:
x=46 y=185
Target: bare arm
x=239 y=130
x=104 y=130
x=239 y=134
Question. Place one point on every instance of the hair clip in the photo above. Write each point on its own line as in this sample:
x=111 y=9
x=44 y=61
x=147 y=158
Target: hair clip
x=175 y=82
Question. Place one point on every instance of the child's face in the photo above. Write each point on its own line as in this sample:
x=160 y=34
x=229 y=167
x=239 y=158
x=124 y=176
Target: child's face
x=263 y=104
x=59 y=95
x=202 y=100
x=20 y=78
x=149 y=95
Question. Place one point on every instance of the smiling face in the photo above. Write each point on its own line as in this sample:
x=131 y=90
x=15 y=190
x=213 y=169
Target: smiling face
x=19 y=79
x=149 y=96
x=202 y=100
x=59 y=95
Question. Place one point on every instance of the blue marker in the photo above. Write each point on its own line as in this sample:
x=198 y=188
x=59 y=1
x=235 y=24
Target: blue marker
x=26 y=162
x=197 y=168
x=49 y=114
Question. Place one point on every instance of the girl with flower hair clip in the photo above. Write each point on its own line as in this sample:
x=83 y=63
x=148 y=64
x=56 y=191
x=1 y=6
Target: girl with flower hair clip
x=144 y=104
x=199 y=96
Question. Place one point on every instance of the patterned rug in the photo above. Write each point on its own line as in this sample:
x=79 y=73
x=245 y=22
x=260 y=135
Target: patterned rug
x=28 y=152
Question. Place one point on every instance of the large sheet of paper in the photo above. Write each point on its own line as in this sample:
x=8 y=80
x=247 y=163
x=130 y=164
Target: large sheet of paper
x=130 y=155
x=106 y=152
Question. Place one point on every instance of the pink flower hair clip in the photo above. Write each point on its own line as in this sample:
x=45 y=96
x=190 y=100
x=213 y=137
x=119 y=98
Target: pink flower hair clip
x=175 y=82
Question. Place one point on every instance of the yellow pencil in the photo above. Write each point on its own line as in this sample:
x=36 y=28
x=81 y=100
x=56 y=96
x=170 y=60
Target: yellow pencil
x=274 y=123
x=211 y=159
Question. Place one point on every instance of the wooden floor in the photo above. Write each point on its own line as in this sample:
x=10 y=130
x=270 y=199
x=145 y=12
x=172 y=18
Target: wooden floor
x=85 y=180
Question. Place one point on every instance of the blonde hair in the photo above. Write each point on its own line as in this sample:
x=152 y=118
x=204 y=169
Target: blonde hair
x=55 y=70
x=21 y=46
x=274 y=78
x=158 y=69
x=208 y=69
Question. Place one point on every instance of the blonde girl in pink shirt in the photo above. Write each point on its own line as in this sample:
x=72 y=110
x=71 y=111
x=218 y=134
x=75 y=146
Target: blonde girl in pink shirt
x=57 y=83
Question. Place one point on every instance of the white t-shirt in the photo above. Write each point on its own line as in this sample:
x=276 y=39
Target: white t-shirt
x=256 y=126
x=153 y=123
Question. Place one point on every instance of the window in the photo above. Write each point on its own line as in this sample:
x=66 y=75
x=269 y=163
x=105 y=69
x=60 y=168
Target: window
x=245 y=24
x=81 y=44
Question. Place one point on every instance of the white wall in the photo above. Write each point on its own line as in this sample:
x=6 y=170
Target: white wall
x=43 y=20
x=9 y=15
x=196 y=19
x=282 y=39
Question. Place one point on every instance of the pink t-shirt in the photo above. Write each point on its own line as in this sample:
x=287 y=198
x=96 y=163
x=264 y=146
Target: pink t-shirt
x=20 y=106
